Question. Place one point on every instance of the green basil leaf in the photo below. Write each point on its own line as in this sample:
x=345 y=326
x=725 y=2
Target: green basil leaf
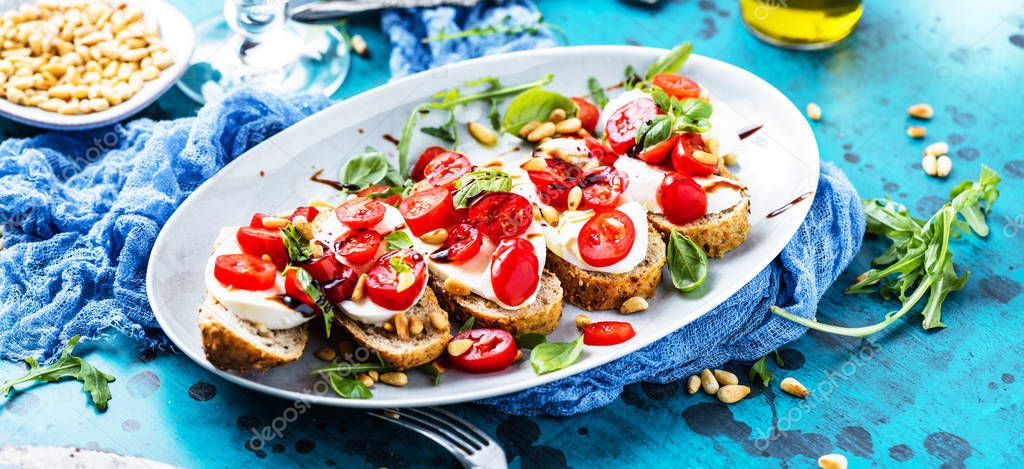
x=474 y=183
x=430 y=370
x=597 y=94
x=654 y=131
x=760 y=370
x=399 y=264
x=663 y=100
x=535 y=105
x=553 y=356
x=530 y=340
x=390 y=191
x=315 y=293
x=398 y=240
x=295 y=245
x=366 y=169
x=671 y=62
x=687 y=263
x=693 y=108
x=468 y=324
x=349 y=388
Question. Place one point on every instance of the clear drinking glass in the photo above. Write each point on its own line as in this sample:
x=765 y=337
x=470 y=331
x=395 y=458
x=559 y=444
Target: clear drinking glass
x=255 y=45
x=801 y=24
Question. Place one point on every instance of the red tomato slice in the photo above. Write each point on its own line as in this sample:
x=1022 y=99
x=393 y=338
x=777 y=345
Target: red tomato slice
x=554 y=182
x=257 y=220
x=606 y=238
x=446 y=168
x=293 y=289
x=658 y=153
x=309 y=212
x=389 y=200
x=260 y=241
x=244 y=271
x=682 y=156
x=425 y=158
x=501 y=214
x=360 y=212
x=602 y=187
x=607 y=333
x=463 y=243
x=492 y=350
x=600 y=150
x=359 y=247
x=514 y=271
x=622 y=125
x=382 y=280
x=337 y=280
x=681 y=199
x=428 y=210
x=677 y=86
x=588 y=114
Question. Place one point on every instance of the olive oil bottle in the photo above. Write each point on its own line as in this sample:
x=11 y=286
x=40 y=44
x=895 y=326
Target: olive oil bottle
x=801 y=24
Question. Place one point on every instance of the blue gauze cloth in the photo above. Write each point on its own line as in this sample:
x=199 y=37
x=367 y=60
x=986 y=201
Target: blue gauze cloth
x=406 y=28
x=80 y=212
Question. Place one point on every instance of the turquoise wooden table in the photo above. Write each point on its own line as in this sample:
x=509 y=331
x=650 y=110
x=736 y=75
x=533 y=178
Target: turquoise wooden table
x=904 y=398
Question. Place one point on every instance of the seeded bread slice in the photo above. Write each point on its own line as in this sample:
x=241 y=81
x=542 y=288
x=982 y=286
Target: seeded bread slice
x=599 y=290
x=403 y=354
x=717 y=233
x=541 y=317
x=232 y=343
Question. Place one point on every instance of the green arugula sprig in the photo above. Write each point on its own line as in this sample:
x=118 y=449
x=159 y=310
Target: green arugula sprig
x=671 y=62
x=504 y=27
x=342 y=378
x=93 y=380
x=297 y=246
x=761 y=371
x=919 y=261
x=475 y=183
x=315 y=293
x=597 y=94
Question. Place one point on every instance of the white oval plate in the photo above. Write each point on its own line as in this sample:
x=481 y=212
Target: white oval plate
x=780 y=163
x=176 y=33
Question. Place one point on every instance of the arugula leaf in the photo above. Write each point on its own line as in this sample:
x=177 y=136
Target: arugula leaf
x=919 y=261
x=349 y=388
x=687 y=262
x=94 y=381
x=671 y=62
x=504 y=27
x=431 y=371
x=597 y=93
x=446 y=132
x=399 y=264
x=350 y=369
x=398 y=240
x=366 y=169
x=535 y=105
x=760 y=370
x=477 y=182
x=467 y=325
x=530 y=340
x=295 y=244
x=312 y=288
x=553 y=356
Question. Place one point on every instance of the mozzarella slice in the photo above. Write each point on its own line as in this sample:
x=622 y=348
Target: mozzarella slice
x=615 y=103
x=563 y=240
x=263 y=306
x=644 y=181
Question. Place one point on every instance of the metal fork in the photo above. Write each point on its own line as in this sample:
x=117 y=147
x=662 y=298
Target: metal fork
x=471 y=446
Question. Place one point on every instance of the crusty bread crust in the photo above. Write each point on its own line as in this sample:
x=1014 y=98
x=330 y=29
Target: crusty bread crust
x=541 y=317
x=231 y=343
x=716 y=233
x=598 y=290
x=404 y=354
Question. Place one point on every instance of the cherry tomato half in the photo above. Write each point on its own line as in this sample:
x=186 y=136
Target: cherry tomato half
x=588 y=114
x=244 y=271
x=257 y=220
x=294 y=289
x=501 y=214
x=260 y=241
x=446 y=168
x=602 y=187
x=428 y=210
x=681 y=199
x=492 y=350
x=682 y=156
x=602 y=152
x=338 y=280
x=463 y=243
x=378 y=188
x=555 y=181
x=677 y=86
x=382 y=280
x=515 y=272
x=659 y=152
x=309 y=212
x=359 y=246
x=607 y=333
x=425 y=158
x=622 y=125
x=606 y=238
x=360 y=212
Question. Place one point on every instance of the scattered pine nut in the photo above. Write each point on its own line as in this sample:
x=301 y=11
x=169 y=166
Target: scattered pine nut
x=708 y=382
x=634 y=304
x=438 y=366
x=437 y=236
x=482 y=134
x=692 y=384
x=930 y=165
x=360 y=289
x=813 y=111
x=733 y=393
x=373 y=374
x=936 y=149
x=793 y=387
x=401 y=325
x=550 y=215
x=275 y=223
x=832 y=461
x=705 y=157
x=459 y=347
x=575 y=197
x=438 y=320
x=326 y=354
x=729 y=159
x=415 y=325
x=405 y=281
x=316 y=250
x=359 y=46
x=455 y=287
x=394 y=378
x=545 y=130
x=725 y=378
x=266 y=257
x=529 y=127
x=569 y=126
x=365 y=379
x=916 y=131
x=389 y=327
x=712 y=145
x=519 y=356
x=557 y=115
x=582 y=320
x=943 y=165
x=535 y=164
x=921 y=111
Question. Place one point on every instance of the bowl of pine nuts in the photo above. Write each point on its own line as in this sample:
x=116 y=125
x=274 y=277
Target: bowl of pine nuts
x=81 y=64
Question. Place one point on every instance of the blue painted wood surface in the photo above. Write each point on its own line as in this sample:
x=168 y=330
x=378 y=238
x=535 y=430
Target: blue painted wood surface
x=904 y=398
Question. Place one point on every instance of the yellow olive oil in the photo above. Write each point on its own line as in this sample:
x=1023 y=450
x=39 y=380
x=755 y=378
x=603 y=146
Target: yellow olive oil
x=801 y=24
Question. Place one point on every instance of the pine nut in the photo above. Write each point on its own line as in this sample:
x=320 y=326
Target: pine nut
x=316 y=250
x=634 y=304
x=150 y=73
x=459 y=347
x=401 y=325
x=438 y=320
x=359 y=46
x=729 y=159
x=529 y=127
x=388 y=326
x=415 y=326
x=692 y=384
x=365 y=379
x=921 y=111
x=455 y=287
x=303 y=226
x=535 y=164
x=930 y=165
x=732 y=393
x=68 y=109
x=542 y=131
x=405 y=281
x=708 y=382
x=712 y=145
x=52 y=104
x=575 y=197
x=936 y=149
x=394 y=378
x=360 y=289
x=494 y=165
x=437 y=236
x=582 y=320
x=569 y=126
x=482 y=134
x=326 y=354
x=319 y=203
x=833 y=461
x=813 y=111
x=550 y=215
x=793 y=387
x=373 y=374
x=275 y=223
x=99 y=104
x=916 y=131
x=725 y=378
x=705 y=157
x=943 y=166
x=134 y=55
x=557 y=115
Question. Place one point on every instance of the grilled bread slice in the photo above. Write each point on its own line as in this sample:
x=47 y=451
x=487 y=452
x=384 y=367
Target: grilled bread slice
x=232 y=343
x=541 y=317
x=599 y=290
x=405 y=353
x=717 y=233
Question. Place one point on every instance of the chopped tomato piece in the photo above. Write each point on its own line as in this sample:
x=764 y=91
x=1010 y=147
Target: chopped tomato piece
x=294 y=289
x=425 y=158
x=602 y=152
x=681 y=199
x=659 y=152
x=677 y=86
x=603 y=187
x=607 y=333
x=623 y=123
x=337 y=280
x=492 y=350
x=428 y=210
x=309 y=212
x=244 y=271
x=446 y=168
x=588 y=114
x=382 y=280
x=515 y=271
x=555 y=181
x=360 y=212
x=682 y=156
x=606 y=238
x=359 y=247
x=260 y=241
x=501 y=214
x=463 y=243
x=257 y=220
